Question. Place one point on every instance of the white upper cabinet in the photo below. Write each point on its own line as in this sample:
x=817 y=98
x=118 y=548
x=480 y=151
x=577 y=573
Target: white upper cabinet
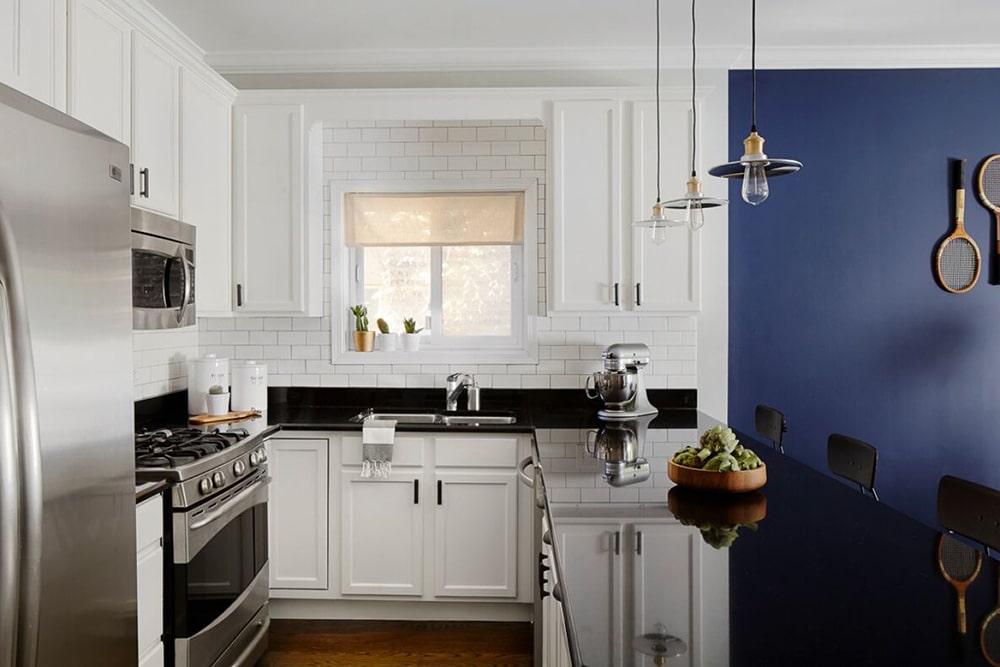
x=99 y=68
x=603 y=178
x=30 y=58
x=666 y=271
x=205 y=194
x=275 y=232
x=586 y=234
x=155 y=110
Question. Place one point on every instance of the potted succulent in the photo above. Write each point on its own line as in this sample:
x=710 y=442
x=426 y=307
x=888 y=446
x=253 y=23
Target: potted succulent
x=364 y=340
x=411 y=335
x=217 y=400
x=387 y=340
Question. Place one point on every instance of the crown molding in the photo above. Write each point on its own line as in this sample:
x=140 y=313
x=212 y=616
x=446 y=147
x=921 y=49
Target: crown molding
x=872 y=57
x=598 y=59
x=462 y=60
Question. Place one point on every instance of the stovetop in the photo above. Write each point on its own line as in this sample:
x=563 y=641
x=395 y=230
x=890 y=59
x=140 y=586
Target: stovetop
x=199 y=464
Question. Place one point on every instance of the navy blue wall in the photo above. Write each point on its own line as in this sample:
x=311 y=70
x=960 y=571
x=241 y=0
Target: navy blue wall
x=835 y=317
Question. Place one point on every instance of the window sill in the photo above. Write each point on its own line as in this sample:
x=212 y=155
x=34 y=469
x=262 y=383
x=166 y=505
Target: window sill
x=437 y=357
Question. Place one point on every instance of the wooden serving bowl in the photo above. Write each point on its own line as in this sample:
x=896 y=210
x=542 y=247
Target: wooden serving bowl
x=729 y=481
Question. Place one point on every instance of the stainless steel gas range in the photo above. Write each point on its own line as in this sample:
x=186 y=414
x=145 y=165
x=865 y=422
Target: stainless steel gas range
x=217 y=579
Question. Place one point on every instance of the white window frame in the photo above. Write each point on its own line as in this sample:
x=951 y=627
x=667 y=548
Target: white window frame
x=345 y=273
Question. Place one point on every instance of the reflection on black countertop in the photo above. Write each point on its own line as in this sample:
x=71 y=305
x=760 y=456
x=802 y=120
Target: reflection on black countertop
x=828 y=576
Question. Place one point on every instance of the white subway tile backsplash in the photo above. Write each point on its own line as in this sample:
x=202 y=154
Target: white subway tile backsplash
x=297 y=349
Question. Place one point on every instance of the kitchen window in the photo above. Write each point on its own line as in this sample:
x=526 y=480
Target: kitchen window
x=458 y=257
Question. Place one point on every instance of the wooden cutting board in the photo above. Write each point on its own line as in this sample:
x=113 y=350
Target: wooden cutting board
x=200 y=420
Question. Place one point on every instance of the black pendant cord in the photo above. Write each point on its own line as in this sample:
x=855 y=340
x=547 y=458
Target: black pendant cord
x=694 y=85
x=753 y=66
x=657 y=101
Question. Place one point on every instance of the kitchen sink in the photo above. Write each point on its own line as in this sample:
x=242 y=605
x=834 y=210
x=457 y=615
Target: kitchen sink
x=436 y=417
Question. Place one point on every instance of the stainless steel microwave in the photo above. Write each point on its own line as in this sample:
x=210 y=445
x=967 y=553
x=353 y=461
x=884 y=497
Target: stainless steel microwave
x=163 y=272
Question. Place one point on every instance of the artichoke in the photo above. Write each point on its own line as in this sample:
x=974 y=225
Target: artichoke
x=719 y=439
x=746 y=458
x=722 y=462
x=688 y=457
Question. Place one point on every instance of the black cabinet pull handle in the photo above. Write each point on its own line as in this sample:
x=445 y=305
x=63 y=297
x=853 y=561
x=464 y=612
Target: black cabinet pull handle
x=131 y=178
x=416 y=492
x=439 y=492
x=638 y=294
x=638 y=542
x=618 y=542
x=239 y=294
x=617 y=303
x=542 y=569
x=144 y=182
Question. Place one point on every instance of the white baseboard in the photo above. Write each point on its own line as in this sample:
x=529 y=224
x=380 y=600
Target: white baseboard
x=398 y=611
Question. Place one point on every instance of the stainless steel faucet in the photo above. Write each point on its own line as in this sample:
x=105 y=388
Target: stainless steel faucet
x=456 y=382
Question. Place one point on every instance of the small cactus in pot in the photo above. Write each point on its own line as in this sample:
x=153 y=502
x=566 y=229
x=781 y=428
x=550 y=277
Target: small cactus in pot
x=364 y=340
x=411 y=337
x=387 y=340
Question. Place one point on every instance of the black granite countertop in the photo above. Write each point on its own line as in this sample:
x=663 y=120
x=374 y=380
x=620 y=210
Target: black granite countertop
x=823 y=576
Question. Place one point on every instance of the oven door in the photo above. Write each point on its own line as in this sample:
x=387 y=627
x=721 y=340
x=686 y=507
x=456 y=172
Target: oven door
x=163 y=275
x=220 y=577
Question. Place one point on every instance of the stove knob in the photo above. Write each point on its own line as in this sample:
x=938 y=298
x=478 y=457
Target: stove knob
x=263 y=454
x=254 y=458
x=218 y=479
x=239 y=468
x=205 y=485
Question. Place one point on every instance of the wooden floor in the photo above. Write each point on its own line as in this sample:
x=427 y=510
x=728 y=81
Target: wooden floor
x=397 y=643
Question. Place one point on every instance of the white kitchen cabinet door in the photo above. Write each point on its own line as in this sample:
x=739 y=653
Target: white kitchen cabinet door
x=382 y=535
x=205 y=194
x=593 y=555
x=99 y=68
x=155 y=110
x=475 y=534
x=666 y=271
x=149 y=579
x=29 y=58
x=587 y=215
x=298 y=508
x=275 y=232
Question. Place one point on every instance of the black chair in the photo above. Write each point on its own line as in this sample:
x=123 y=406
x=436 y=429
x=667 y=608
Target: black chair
x=852 y=459
x=970 y=509
x=771 y=424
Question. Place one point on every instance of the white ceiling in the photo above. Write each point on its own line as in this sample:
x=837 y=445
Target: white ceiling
x=254 y=36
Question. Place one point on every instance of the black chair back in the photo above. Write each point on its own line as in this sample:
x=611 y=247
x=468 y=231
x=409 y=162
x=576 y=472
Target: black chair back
x=770 y=423
x=852 y=459
x=970 y=509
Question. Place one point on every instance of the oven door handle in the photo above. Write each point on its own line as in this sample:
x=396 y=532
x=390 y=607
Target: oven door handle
x=234 y=506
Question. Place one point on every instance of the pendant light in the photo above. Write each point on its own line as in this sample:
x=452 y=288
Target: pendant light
x=657 y=222
x=755 y=167
x=694 y=202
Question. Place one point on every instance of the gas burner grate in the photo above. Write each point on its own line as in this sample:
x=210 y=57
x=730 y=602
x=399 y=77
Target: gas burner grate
x=165 y=448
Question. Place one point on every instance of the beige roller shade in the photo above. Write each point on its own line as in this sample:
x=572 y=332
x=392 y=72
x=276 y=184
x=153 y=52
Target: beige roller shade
x=434 y=219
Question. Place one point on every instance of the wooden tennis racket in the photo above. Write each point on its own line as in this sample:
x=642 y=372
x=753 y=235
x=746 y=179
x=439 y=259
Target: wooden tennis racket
x=958 y=262
x=959 y=563
x=988 y=189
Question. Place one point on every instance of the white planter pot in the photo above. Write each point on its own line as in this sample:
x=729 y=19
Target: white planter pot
x=388 y=342
x=218 y=404
x=411 y=342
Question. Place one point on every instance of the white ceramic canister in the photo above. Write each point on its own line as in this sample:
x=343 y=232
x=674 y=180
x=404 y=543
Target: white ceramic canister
x=249 y=386
x=203 y=373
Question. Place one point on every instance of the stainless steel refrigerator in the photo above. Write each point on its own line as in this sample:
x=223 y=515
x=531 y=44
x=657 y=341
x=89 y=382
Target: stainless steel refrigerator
x=67 y=494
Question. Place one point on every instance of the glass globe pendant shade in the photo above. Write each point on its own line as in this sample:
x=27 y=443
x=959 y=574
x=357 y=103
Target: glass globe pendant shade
x=694 y=204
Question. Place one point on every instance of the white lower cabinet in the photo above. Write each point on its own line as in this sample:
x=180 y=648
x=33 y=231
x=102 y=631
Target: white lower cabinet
x=149 y=580
x=298 y=512
x=449 y=523
x=382 y=534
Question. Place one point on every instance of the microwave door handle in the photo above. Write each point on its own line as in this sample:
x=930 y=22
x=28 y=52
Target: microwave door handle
x=20 y=415
x=186 y=299
x=10 y=497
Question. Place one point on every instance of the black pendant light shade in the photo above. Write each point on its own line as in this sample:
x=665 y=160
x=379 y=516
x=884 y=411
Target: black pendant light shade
x=755 y=167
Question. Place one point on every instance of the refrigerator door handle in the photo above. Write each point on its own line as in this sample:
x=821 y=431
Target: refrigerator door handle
x=21 y=379
x=10 y=497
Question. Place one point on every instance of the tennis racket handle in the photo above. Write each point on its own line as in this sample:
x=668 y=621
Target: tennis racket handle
x=960 y=205
x=961 y=612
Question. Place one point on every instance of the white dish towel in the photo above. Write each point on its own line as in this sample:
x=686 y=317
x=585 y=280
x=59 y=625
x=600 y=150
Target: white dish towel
x=377 y=436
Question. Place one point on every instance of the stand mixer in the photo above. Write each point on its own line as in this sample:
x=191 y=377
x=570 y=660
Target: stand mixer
x=620 y=384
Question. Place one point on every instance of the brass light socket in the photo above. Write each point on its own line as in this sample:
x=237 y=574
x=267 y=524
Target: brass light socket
x=694 y=186
x=753 y=148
